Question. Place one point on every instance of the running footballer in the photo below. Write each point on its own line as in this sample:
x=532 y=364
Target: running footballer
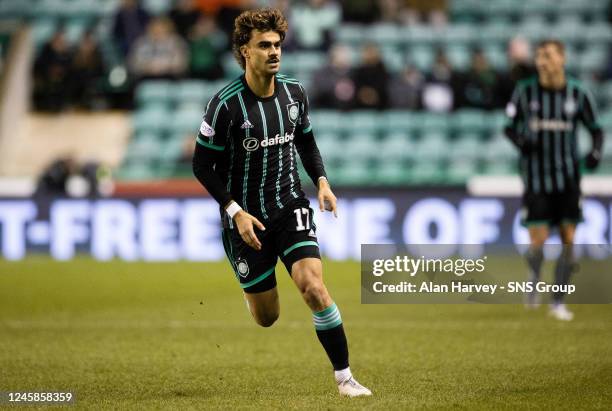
x=544 y=113
x=246 y=157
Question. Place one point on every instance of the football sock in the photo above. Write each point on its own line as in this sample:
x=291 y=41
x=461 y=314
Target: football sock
x=534 y=257
x=342 y=375
x=563 y=271
x=328 y=325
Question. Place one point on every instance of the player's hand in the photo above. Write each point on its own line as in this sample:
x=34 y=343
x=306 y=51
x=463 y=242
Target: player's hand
x=327 y=199
x=592 y=160
x=245 y=222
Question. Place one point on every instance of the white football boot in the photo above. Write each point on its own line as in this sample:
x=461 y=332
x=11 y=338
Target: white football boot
x=351 y=388
x=561 y=313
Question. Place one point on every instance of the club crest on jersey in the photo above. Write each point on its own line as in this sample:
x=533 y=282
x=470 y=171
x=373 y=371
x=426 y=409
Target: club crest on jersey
x=293 y=109
x=206 y=130
x=570 y=107
x=242 y=267
x=534 y=105
x=246 y=124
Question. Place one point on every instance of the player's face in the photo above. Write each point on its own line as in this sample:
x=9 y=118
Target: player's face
x=263 y=52
x=549 y=60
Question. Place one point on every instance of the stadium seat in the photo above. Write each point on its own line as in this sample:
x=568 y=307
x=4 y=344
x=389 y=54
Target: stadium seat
x=353 y=174
x=392 y=173
x=361 y=121
x=154 y=119
x=427 y=172
x=193 y=91
x=459 y=170
x=186 y=119
x=396 y=147
x=154 y=92
x=325 y=120
x=469 y=120
x=432 y=147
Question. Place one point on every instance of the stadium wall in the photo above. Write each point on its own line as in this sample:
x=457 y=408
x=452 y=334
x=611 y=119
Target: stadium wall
x=168 y=229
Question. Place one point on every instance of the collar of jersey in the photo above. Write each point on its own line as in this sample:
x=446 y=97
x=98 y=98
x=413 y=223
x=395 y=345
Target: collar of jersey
x=248 y=89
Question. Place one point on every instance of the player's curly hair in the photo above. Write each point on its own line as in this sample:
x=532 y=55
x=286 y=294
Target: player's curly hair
x=260 y=19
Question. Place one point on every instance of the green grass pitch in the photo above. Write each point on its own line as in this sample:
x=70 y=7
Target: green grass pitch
x=178 y=335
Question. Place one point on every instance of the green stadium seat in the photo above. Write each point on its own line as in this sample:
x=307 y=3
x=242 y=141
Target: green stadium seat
x=385 y=34
x=144 y=147
x=392 y=173
x=421 y=57
x=360 y=148
x=467 y=147
x=154 y=92
x=361 y=121
x=351 y=34
x=325 y=120
x=43 y=29
x=433 y=122
x=460 y=170
x=428 y=172
x=353 y=174
x=157 y=7
x=192 y=91
x=500 y=167
x=468 y=120
x=394 y=60
x=154 y=119
x=186 y=119
x=396 y=147
x=593 y=59
x=432 y=147
x=400 y=120
x=497 y=56
x=458 y=56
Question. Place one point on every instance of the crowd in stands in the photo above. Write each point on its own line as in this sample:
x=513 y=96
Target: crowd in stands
x=190 y=40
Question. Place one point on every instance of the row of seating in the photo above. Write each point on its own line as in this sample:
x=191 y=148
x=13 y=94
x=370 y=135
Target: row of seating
x=458 y=9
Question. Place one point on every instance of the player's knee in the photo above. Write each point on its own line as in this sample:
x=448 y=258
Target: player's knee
x=315 y=293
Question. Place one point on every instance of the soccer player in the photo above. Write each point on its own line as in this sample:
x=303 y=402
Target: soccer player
x=543 y=113
x=246 y=158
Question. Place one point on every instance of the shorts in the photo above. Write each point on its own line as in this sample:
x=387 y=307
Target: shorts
x=291 y=236
x=552 y=209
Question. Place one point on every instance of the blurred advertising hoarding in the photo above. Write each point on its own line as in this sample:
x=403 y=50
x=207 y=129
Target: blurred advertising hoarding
x=168 y=229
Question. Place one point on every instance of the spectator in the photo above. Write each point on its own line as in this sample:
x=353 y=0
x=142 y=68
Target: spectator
x=438 y=92
x=371 y=80
x=87 y=70
x=206 y=45
x=184 y=15
x=54 y=178
x=332 y=85
x=51 y=74
x=129 y=23
x=160 y=53
x=313 y=23
x=390 y=11
x=360 y=11
x=521 y=67
x=405 y=88
x=430 y=11
x=477 y=87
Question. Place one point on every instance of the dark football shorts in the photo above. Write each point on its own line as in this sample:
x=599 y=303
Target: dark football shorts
x=291 y=236
x=552 y=209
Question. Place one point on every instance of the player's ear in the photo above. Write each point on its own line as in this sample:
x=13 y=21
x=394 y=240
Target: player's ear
x=244 y=51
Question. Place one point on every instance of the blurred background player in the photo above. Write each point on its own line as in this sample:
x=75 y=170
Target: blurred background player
x=544 y=113
x=245 y=158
